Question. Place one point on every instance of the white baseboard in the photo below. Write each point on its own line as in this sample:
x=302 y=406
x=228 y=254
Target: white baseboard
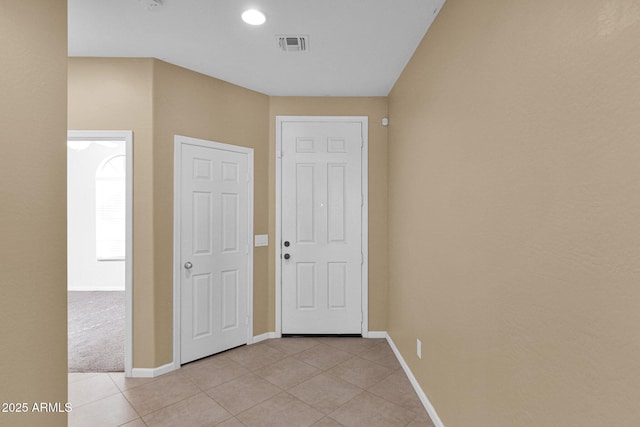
x=265 y=336
x=152 y=372
x=423 y=397
x=376 y=334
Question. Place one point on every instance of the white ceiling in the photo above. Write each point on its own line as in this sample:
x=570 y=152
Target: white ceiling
x=356 y=47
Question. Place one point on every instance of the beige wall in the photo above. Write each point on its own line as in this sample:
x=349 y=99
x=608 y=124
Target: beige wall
x=158 y=100
x=33 y=315
x=514 y=200
x=116 y=94
x=192 y=104
x=375 y=108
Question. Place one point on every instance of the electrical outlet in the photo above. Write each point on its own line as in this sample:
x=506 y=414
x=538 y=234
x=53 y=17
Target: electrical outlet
x=419 y=349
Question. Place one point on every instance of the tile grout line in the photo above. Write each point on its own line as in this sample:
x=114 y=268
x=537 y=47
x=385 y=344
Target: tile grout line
x=96 y=400
x=125 y=398
x=176 y=402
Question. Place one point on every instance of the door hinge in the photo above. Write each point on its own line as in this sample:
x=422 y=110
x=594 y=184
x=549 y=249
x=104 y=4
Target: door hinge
x=361 y=258
x=279 y=154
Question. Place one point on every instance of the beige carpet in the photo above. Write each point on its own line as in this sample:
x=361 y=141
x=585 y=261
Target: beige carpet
x=96 y=331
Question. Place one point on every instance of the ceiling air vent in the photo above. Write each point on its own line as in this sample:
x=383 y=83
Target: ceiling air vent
x=293 y=43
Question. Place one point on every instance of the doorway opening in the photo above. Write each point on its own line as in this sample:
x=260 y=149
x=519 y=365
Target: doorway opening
x=99 y=250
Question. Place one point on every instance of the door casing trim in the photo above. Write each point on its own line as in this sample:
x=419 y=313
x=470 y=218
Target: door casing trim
x=364 y=121
x=177 y=267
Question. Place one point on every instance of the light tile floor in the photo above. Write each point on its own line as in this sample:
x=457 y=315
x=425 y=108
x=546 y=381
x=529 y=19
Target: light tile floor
x=283 y=382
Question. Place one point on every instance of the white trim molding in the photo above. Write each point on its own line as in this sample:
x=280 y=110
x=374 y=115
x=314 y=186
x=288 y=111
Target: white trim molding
x=265 y=336
x=421 y=394
x=364 y=120
x=127 y=137
x=153 y=372
x=377 y=334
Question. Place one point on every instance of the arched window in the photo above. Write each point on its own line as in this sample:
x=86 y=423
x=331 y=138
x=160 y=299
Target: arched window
x=110 y=209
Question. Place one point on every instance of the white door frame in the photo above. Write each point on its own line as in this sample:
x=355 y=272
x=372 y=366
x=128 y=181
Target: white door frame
x=177 y=267
x=127 y=136
x=364 y=120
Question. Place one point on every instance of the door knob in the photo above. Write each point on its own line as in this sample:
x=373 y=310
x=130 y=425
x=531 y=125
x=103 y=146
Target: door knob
x=188 y=265
x=286 y=243
x=287 y=256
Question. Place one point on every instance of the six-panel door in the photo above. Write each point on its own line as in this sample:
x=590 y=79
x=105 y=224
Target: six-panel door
x=321 y=224
x=214 y=250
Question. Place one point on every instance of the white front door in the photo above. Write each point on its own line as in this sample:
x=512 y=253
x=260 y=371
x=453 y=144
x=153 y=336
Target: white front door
x=214 y=248
x=321 y=227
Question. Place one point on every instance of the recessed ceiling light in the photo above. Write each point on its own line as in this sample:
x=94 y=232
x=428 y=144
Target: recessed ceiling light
x=253 y=17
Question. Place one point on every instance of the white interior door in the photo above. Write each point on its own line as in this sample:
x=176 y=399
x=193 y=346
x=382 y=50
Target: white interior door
x=321 y=227
x=214 y=249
